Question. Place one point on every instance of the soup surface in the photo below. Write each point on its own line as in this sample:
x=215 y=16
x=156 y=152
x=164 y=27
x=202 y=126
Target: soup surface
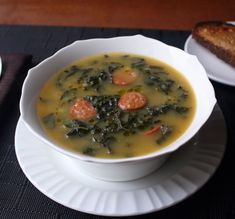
x=116 y=105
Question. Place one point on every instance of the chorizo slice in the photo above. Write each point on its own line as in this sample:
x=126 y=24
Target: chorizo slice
x=153 y=130
x=124 y=76
x=132 y=101
x=82 y=109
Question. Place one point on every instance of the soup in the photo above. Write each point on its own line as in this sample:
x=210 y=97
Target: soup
x=116 y=105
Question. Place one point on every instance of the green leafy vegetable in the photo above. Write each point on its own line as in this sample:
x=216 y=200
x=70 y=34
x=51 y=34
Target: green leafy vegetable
x=89 y=150
x=163 y=109
x=114 y=66
x=69 y=95
x=138 y=63
x=43 y=100
x=183 y=94
x=165 y=133
x=163 y=85
x=77 y=128
x=105 y=104
x=67 y=74
x=95 y=78
x=49 y=120
x=92 y=79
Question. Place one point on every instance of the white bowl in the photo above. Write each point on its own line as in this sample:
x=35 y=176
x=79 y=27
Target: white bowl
x=124 y=168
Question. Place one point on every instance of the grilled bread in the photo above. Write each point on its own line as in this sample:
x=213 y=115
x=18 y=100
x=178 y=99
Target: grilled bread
x=218 y=37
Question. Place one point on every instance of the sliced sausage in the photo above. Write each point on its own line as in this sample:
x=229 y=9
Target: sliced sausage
x=132 y=100
x=153 y=130
x=124 y=76
x=83 y=110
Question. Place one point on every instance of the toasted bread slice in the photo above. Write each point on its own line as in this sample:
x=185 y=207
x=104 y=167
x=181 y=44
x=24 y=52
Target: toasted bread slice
x=218 y=37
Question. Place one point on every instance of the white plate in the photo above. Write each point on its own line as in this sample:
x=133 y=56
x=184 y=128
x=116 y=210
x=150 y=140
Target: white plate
x=217 y=69
x=183 y=174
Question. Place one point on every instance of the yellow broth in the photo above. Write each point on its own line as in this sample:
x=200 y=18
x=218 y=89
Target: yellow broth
x=160 y=83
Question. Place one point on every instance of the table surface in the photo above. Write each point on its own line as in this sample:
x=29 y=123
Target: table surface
x=174 y=14
x=19 y=198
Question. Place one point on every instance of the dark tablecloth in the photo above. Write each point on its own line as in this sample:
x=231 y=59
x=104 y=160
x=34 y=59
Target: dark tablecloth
x=20 y=199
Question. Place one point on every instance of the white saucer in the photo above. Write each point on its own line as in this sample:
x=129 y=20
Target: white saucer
x=217 y=69
x=183 y=174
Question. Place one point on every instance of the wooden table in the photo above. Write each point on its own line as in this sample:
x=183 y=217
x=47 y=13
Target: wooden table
x=174 y=14
x=18 y=197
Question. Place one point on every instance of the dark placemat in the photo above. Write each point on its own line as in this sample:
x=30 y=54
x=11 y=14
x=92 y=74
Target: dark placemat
x=20 y=199
x=14 y=69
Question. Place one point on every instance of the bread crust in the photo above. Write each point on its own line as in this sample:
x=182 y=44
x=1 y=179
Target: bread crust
x=228 y=55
